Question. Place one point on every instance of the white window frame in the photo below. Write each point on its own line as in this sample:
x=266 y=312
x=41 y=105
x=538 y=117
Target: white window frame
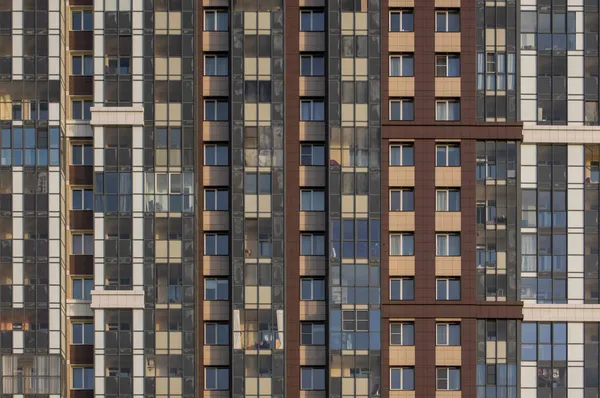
x=312 y=244
x=218 y=282
x=216 y=160
x=400 y=12
x=312 y=66
x=446 y=148
x=312 y=289
x=447 y=235
x=311 y=12
x=216 y=109
x=82 y=58
x=401 y=373
x=400 y=147
x=215 y=13
x=447 y=103
x=448 y=327
x=218 y=329
x=83 y=239
x=401 y=103
x=447 y=283
x=214 y=58
x=314 y=205
x=219 y=206
x=446 y=58
x=401 y=58
x=447 y=370
x=312 y=103
x=219 y=372
x=402 y=333
x=83 y=333
x=82 y=204
x=402 y=235
x=216 y=236
x=312 y=154
x=447 y=204
x=400 y=284
x=447 y=13
x=402 y=207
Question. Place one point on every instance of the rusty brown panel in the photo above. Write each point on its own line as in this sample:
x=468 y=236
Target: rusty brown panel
x=81 y=265
x=81 y=354
x=81 y=85
x=81 y=394
x=81 y=175
x=81 y=219
x=81 y=2
x=81 y=40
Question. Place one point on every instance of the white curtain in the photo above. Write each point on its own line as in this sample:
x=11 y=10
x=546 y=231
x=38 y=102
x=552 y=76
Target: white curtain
x=395 y=241
x=395 y=66
x=441 y=201
x=280 y=329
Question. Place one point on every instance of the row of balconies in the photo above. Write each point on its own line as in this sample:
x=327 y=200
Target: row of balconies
x=309 y=41
x=218 y=86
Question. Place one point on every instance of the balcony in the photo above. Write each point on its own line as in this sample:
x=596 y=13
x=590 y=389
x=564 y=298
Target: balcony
x=312 y=41
x=81 y=175
x=81 y=219
x=81 y=354
x=81 y=85
x=217 y=176
x=81 y=264
x=312 y=176
x=215 y=41
x=81 y=40
x=312 y=86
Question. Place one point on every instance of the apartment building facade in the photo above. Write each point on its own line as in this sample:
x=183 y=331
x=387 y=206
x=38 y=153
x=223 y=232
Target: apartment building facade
x=353 y=198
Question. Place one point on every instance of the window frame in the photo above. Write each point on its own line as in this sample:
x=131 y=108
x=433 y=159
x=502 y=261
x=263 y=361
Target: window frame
x=215 y=115
x=81 y=16
x=85 y=282
x=402 y=333
x=401 y=207
x=312 y=333
x=448 y=326
x=312 y=66
x=447 y=236
x=83 y=244
x=312 y=154
x=84 y=158
x=402 y=235
x=447 y=57
x=446 y=369
x=400 y=283
x=218 y=373
x=82 y=58
x=84 y=370
x=83 y=191
x=312 y=386
x=400 y=12
x=311 y=207
x=447 y=12
x=218 y=283
x=217 y=326
x=401 y=56
x=83 y=325
x=447 y=103
x=219 y=149
x=312 y=103
x=215 y=12
x=216 y=236
x=82 y=104
x=311 y=12
x=312 y=243
x=209 y=58
x=446 y=148
x=401 y=102
x=400 y=370
x=448 y=192
x=401 y=153
x=447 y=281
x=216 y=201
x=313 y=297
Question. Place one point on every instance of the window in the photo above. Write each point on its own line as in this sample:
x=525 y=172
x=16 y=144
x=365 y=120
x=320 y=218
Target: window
x=216 y=199
x=402 y=378
x=312 y=379
x=447 y=289
x=82 y=288
x=312 y=155
x=82 y=65
x=402 y=21
x=447 y=155
x=83 y=378
x=402 y=289
x=82 y=199
x=448 y=244
x=402 y=200
x=216 y=244
x=312 y=21
x=118 y=66
x=216 y=110
x=81 y=109
x=448 y=334
x=447 y=200
x=447 y=110
x=402 y=155
x=402 y=65
x=82 y=155
x=216 y=20
x=216 y=378
x=312 y=289
x=216 y=333
x=216 y=65
x=312 y=333
x=257 y=183
x=82 y=244
x=402 y=333
x=312 y=244
x=447 y=65
x=448 y=378
x=402 y=109
x=312 y=65
x=312 y=200
x=82 y=333
x=312 y=110
x=82 y=20
x=216 y=289
x=447 y=21
x=402 y=244
x=216 y=155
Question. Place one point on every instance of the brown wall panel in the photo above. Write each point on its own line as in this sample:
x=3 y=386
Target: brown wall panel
x=81 y=265
x=81 y=85
x=81 y=219
x=81 y=354
x=81 y=175
x=81 y=40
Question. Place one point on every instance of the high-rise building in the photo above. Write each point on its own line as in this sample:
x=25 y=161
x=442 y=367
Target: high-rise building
x=299 y=198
